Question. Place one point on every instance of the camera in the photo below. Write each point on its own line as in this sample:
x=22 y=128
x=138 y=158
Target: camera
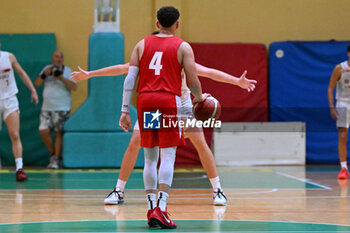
x=56 y=71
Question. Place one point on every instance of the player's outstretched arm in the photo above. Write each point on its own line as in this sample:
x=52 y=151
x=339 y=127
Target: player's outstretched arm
x=24 y=77
x=115 y=70
x=330 y=91
x=187 y=61
x=220 y=76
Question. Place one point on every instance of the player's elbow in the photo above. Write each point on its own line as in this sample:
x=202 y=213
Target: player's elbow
x=130 y=80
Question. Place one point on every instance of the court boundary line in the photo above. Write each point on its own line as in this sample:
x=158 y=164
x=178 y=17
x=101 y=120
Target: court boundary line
x=173 y=198
x=171 y=189
x=223 y=220
x=304 y=180
x=98 y=195
x=136 y=170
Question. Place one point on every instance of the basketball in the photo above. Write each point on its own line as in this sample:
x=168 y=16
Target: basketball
x=208 y=109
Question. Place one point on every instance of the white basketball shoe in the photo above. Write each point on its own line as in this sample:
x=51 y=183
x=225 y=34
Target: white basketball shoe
x=114 y=198
x=219 y=198
x=54 y=162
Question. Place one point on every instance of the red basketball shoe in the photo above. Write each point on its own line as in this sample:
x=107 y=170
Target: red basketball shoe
x=20 y=175
x=150 y=223
x=162 y=219
x=343 y=174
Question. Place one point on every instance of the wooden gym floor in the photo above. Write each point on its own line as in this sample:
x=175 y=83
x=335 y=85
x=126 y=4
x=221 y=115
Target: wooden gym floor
x=260 y=199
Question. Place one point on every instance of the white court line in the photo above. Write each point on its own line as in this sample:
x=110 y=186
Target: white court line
x=187 y=189
x=223 y=220
x=88 y=179
x=303 y=180
x=178 y=198
x=134 y=195
x=207 y=231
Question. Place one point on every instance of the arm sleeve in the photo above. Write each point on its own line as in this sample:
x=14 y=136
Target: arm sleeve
x=129 y=86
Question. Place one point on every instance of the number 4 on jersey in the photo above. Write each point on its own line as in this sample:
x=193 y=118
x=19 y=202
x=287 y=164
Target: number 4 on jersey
x=155 y=63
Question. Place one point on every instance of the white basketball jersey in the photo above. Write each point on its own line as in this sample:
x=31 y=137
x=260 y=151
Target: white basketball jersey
x=8 y=87
x=343 y=84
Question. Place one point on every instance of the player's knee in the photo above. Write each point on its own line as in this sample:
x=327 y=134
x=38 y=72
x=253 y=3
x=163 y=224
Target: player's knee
x=199 y=142
x=14 y=135
x=135 y=142
x=168 y=160
x=150 y=163
x=343 y=137
x=166 y=174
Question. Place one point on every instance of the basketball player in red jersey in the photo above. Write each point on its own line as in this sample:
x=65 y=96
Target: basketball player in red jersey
x=195 y=135
x=159 y=60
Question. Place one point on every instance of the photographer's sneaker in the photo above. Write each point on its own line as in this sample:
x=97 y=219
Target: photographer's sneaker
x=114 y=198
x=162 y=219
x=219 y=198
x=20 y=175
x=54 y=162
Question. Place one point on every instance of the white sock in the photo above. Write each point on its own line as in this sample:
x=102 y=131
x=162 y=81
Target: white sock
x=344 y=165
x=162 y=200
x=151 y=200
x=19 y=164
x=215 y=183
x=120 y=185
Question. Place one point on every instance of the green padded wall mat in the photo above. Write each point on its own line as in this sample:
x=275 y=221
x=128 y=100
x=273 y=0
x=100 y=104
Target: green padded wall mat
x=101 y=110
x=33 y=52
x=93 y=149
x=93 y=137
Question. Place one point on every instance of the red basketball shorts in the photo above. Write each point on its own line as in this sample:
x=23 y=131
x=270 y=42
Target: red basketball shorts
x=158 y=117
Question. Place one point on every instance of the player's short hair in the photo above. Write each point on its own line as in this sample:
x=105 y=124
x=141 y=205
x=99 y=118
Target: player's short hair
x=348 y=48
x=167 y=16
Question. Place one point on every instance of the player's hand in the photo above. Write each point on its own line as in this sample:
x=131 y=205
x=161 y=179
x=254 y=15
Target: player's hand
x=203 y=97
x=34 y=98
x=80 y=75
x=125 y=122
x=334 y=113
x=247 y=84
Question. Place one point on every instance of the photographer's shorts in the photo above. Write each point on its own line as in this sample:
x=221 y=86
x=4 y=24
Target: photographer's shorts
x=53 y=120
x=7 y=106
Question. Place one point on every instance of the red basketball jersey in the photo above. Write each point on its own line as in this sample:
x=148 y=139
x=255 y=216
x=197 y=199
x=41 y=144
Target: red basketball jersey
x=160 y=69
